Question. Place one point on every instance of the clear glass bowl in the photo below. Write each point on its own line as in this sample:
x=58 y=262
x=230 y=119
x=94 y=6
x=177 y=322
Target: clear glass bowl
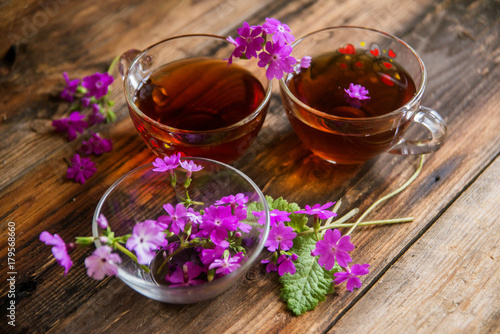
x=140 y=195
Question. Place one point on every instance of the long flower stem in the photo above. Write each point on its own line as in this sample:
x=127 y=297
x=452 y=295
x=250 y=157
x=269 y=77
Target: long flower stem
x=131 y=255
x=386 y=197
x=338 y=224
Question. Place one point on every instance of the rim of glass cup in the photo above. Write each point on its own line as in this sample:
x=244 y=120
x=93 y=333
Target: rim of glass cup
x=130 y=102
x=220 y=281
x=415 y=98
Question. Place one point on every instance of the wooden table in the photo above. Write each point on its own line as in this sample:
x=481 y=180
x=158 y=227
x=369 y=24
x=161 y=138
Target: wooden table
x=438 y=274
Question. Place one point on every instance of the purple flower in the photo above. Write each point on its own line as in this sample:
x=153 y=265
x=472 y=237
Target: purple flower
x=194 y=216
x=95 y=117
x=147 y=237
x=191 y=167
x=278 y=60
x=96 y=145
x=333 y=247
x=217 y=220
x=250 y=40
x=357 y=92
x=102 y=263
x=282 y=33
x=350 y=276
x=80 y=169
x=238 y=199
x=168 y=163
x=85 y=101
x=208 y=255
x=305 y=62
x=319 y=210
x=271 y=265
x=227 y=265
x=237 y=52
x=185 y=276
x=285 y=264
x=102 y=221
x=71 y=125
x=70 y=89
x=275 y=216
x=280 y=237
x=59 y=249
x=97 y=84
x=176 y=218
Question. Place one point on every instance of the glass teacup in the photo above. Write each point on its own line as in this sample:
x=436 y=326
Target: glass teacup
x=342 y=123
x=183 y=97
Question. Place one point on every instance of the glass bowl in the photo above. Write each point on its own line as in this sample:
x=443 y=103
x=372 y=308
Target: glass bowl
x=141 y=194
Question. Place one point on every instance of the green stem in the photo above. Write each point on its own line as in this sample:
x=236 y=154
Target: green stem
x=174 y=253
x=368 y=223
x=131 y=255
x=386 y=197
x=113 y=64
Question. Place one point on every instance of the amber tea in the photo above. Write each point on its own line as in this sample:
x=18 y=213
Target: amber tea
x=323 y=87
x=198 y=97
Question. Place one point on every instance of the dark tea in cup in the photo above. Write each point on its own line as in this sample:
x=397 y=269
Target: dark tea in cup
x=183 y=97
x=342 y=126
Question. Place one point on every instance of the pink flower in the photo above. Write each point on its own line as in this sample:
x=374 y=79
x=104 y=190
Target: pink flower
x=278 y=60
x=96 y=145
x=238 y=199
x=97 y=84
x=285 y=264
x=102 y=263
x=80 y=169
x=71 y=125
x=147 y=237
x=275 y=216
x=250 y=40
x=190 y=167
x=168 y=163
x=59 y=249
x=319 y=210
x=70 y=89
x=185 y=276
x=176 y=218
x=102 y=221
x=208 y=255
x=282 y=33
x=280 y=237
x=227 y=265
x=333 y=247
x=357 y=92
x=217 y=220
x=350 y=276
x=305 y=62
x=271 y=265
x=95 y=117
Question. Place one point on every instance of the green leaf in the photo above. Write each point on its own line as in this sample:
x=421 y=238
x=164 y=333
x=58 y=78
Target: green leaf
x=311 y=283
x=298 y=221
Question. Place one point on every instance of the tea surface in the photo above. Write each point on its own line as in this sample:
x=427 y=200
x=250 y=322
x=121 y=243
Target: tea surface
x=321 y=86
x=199 y=94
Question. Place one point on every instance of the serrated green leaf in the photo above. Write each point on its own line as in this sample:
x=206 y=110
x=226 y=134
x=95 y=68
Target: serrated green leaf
x=297 y=221
x=311 y=283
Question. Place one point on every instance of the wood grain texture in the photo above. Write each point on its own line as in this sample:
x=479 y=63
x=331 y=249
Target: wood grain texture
x=458 y=41
x=448 y=281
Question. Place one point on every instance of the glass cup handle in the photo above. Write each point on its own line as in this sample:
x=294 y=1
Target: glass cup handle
x=434 y=123
x=125 y=60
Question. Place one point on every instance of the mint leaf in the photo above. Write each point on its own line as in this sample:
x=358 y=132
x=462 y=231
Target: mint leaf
x=311 y=283
x=298 y=221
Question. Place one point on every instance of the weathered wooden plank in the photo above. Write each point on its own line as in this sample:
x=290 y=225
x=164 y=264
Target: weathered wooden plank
x=462 y=86
x=449 y=280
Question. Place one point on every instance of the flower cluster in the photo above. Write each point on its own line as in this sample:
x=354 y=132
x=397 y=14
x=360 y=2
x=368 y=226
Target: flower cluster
x=91 y=92
x=331 y=248
x=274 y=53
x=214 y=237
